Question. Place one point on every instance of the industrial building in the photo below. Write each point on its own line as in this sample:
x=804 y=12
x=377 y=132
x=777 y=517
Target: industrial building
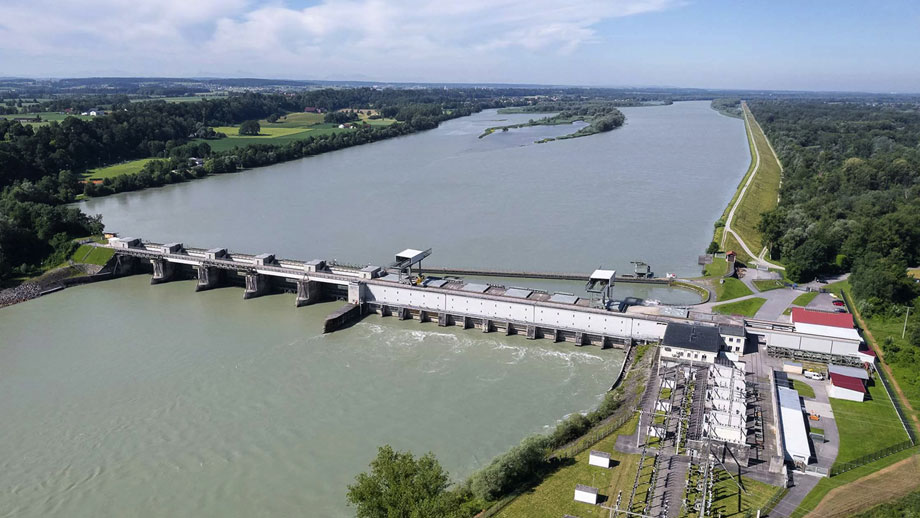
x=689 y=342
x=847 y=382
x=792 y=420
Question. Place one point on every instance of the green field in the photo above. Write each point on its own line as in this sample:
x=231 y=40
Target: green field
x=732 y=288
x=87 y=254
x=554 y=496
x=730 y=500
x=746 y=307
x=804 y=389
x=717 y=268
x=805 y=298
x=768 y=284
x=46 y=117
x=289 y=128
x=761 y=194
x=112 y=171
x=868 y=426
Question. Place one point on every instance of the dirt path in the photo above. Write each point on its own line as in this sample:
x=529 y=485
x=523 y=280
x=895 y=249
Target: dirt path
x=882 y=486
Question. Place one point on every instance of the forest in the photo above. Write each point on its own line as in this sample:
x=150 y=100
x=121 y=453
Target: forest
x=849 y=200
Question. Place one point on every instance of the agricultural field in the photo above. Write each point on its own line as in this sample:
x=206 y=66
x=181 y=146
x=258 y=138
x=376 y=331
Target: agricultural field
x=46 y=117
x=288 y=128
x=554 y=497
x=112 y=171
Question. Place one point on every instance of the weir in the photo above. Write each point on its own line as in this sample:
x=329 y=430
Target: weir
x=395 y=291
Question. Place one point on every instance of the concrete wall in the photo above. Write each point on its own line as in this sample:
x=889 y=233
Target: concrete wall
x=687 y=355
x=548 y=316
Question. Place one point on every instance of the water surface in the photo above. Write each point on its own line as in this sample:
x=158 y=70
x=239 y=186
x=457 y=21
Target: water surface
x=649 y=190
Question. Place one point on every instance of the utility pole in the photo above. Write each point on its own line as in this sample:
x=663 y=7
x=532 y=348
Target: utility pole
x=904 y=331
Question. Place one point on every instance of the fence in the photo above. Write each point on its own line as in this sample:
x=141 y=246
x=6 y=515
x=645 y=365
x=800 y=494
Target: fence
x=843 y=467
x=593 y=437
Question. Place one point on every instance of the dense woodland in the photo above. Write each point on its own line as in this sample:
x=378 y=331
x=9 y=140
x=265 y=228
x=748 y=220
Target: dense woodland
x=850 y=198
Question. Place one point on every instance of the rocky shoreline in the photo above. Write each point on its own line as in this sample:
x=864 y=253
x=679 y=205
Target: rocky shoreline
x=51 y=280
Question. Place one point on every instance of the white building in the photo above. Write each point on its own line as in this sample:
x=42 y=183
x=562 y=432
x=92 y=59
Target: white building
x=586 y=494
x=689 y=342
x=792 y=420
x=847 y=383
x=599 y=458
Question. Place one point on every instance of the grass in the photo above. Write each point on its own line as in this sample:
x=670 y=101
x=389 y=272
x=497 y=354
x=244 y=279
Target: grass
x=46 y=116
x=868 y=426
x=914 y=272
x=130 y=167
x=87 y=254
x=746 y=307
x=732 y=244
x=717 y=268
x=730 y=500
x=731 y=288
x=768 y=284
x=804 y=389
x=815 y=429
x=805 y=298
x=554 y=497
x=825 y=485
x=762 y=193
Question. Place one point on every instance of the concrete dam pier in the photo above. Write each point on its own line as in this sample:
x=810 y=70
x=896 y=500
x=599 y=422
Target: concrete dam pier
x=399 y=291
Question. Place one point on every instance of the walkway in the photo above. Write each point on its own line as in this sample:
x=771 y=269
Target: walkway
x=731 y=214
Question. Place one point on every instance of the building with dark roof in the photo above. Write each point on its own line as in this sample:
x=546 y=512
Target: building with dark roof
x=733 y=337
x=690 y=342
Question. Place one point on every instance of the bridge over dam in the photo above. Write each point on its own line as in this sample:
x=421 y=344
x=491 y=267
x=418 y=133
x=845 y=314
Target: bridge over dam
x=397 y=291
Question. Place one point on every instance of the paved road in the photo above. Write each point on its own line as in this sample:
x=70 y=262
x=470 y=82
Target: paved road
x=758 y=258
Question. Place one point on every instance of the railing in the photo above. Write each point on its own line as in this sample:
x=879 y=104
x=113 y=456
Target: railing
x=843 y=467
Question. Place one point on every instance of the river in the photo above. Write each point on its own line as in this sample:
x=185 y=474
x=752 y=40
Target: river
x=124 y=399
x=650 y=190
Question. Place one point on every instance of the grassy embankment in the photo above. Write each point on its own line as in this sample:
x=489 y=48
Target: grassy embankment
x=291 y=127
x=553 y=497
x=761 y=195
x=805 y=298
x=746 y=307
x=731 y=288
x=88 y=254
x=768 y=284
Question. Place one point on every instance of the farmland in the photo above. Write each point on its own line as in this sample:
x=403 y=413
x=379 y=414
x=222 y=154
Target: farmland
x=288 y=128
x=130 y=167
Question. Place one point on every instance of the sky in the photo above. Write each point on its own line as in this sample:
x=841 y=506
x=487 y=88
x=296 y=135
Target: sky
x=761 y=45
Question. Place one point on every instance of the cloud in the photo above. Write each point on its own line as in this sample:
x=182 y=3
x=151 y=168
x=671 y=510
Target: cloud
x=229 y=37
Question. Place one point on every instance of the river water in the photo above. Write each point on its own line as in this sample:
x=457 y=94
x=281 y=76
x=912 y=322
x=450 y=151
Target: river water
x=650 y=190
x=124 y=399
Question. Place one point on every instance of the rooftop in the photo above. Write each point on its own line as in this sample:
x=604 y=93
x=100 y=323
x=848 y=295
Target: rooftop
x=822 y=318
x=730 y=330
x=846 y=382
x=852 y=372
x=696 y=337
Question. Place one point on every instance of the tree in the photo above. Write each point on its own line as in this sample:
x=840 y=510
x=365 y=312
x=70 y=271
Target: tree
x=250 y=128
x=712 y=248
x=401 y=486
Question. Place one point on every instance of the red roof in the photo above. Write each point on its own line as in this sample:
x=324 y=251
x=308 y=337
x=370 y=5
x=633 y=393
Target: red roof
x=821 y=318
x=839 y=380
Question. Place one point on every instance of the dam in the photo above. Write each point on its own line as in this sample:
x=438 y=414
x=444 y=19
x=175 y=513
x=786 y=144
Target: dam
x=394 y=291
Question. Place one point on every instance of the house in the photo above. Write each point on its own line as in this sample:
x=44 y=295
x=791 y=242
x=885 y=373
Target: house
x=98 y=112
x=690 y=342
x=847 y=383
x=733 y=337
x=312 y=109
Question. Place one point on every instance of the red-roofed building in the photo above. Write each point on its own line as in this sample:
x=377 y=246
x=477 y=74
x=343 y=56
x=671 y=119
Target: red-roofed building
x=846 y=387
x=821 y=318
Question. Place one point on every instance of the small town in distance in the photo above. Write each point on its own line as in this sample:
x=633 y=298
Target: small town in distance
x=628 y=259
